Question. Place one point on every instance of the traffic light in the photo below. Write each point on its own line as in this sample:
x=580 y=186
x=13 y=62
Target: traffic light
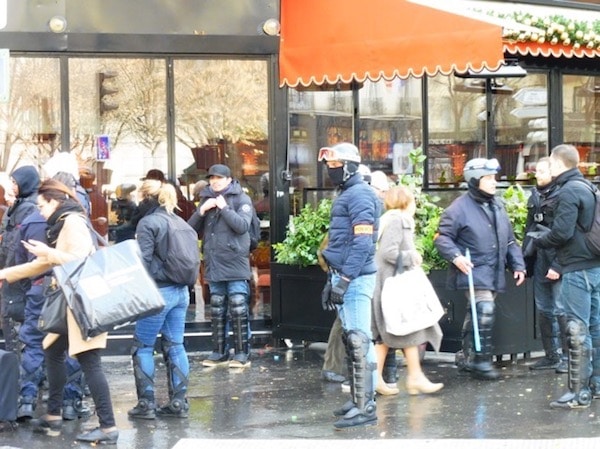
x=105 y=90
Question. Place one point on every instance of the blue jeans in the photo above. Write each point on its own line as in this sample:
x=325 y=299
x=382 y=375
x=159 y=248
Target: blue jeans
x=580 y=294
x=547 y=298
x=355 y=312
x=171 y=324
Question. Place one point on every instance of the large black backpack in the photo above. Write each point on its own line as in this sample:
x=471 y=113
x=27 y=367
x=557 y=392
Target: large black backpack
x=592 y=234
x=182 y=264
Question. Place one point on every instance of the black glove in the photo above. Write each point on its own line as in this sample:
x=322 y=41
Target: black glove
x=326 y=297
x=338 y=291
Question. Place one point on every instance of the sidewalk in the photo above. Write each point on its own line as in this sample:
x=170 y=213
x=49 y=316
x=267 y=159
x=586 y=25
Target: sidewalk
x=281 y=401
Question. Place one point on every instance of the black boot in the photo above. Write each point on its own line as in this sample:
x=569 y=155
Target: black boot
x=220 y=353
x=26 y=408
x=390 y=367
x=579 y=395
x=350 y=404
x=551 y=359
x=177 y=383
x=463 y=358
x=75 y=409
x=595 y=378
x=239 y=312
x=144 y=385
x=563 y=366
x=363 y=393
x=482 y=367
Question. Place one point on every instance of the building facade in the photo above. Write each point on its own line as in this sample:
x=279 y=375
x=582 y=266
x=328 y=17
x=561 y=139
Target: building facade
x=177 y=86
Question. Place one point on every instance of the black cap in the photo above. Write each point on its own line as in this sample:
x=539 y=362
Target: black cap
x=219 y=170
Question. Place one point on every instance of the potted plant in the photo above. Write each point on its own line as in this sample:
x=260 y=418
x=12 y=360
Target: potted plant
x=297 y=279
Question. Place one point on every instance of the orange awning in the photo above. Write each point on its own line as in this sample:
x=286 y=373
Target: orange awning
x=547 y=50
x=326 y=41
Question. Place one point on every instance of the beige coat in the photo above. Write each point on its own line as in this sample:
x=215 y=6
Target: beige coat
x=74 y=242
x=397 y=240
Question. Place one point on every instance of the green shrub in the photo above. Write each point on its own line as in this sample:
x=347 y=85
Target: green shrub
x=304 y=235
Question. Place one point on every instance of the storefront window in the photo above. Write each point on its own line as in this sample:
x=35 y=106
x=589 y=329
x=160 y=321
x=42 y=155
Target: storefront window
x=458 y=125
x=390 y=124
x=317 y=119
x=221 y=116
x=30 y=121
x=581 y=112
x=118 y=118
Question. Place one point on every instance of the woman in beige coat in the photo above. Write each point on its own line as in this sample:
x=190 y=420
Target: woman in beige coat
x=69 y=238
x=396 y=247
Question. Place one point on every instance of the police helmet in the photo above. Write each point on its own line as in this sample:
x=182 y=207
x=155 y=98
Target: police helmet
x=342 y=152
x=479 y=167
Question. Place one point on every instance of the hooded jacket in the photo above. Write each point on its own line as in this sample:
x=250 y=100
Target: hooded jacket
x=224 y=234
x=28 y=181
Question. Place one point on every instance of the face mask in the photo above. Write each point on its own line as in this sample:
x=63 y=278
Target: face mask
x=336 y=175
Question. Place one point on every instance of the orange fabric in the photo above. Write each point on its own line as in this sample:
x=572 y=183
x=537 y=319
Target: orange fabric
x=325 y=41
x=547 y=50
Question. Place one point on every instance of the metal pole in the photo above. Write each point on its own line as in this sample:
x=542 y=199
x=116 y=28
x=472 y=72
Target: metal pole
x=476 y=338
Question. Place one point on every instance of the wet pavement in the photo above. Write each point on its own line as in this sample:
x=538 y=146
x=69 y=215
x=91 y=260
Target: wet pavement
x=281 y=401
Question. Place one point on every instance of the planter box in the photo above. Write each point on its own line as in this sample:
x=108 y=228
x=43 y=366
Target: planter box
x=296 y=303
x=297 y=311
x=515 y=329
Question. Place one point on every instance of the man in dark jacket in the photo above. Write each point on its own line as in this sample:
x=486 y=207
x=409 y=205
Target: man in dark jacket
x=223 y=220
x=478 y=222
x=542 y=265
x=25 y=183
x=350 y=257
x=580 y=286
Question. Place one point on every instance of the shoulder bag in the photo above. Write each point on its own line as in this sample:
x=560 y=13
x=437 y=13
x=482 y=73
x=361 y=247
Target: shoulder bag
x=53 y=317
x=109 y=288
x=409 y=302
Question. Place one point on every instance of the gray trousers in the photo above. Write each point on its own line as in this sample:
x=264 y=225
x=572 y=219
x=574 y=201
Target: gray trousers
x=335 y=354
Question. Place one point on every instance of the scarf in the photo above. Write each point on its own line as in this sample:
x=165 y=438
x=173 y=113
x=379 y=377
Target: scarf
x=57 y=220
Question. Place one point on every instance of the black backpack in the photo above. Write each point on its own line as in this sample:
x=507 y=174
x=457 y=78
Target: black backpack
x=254 y=230
x=592 y=235
x=182 y=264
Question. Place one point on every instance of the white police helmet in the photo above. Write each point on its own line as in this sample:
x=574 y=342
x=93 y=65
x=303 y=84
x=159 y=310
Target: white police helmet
x=479 y=167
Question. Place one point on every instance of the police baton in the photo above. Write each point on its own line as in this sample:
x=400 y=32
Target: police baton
x=476 y=339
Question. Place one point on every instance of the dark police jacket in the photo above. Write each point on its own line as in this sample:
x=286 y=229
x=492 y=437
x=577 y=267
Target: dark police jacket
x=467 y=224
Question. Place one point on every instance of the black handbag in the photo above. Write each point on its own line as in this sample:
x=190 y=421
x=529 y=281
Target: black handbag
x=109 y=288
x=53 y=317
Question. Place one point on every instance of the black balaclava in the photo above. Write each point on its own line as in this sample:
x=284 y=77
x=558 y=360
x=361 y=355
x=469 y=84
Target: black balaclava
x=336 y=175
x=340 y=175
x=477 y=194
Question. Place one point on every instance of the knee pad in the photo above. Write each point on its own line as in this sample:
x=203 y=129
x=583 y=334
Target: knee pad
x=217 y=305
x=239 y=305
x=485 y=313
x=358 y=344
x=575 y=333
